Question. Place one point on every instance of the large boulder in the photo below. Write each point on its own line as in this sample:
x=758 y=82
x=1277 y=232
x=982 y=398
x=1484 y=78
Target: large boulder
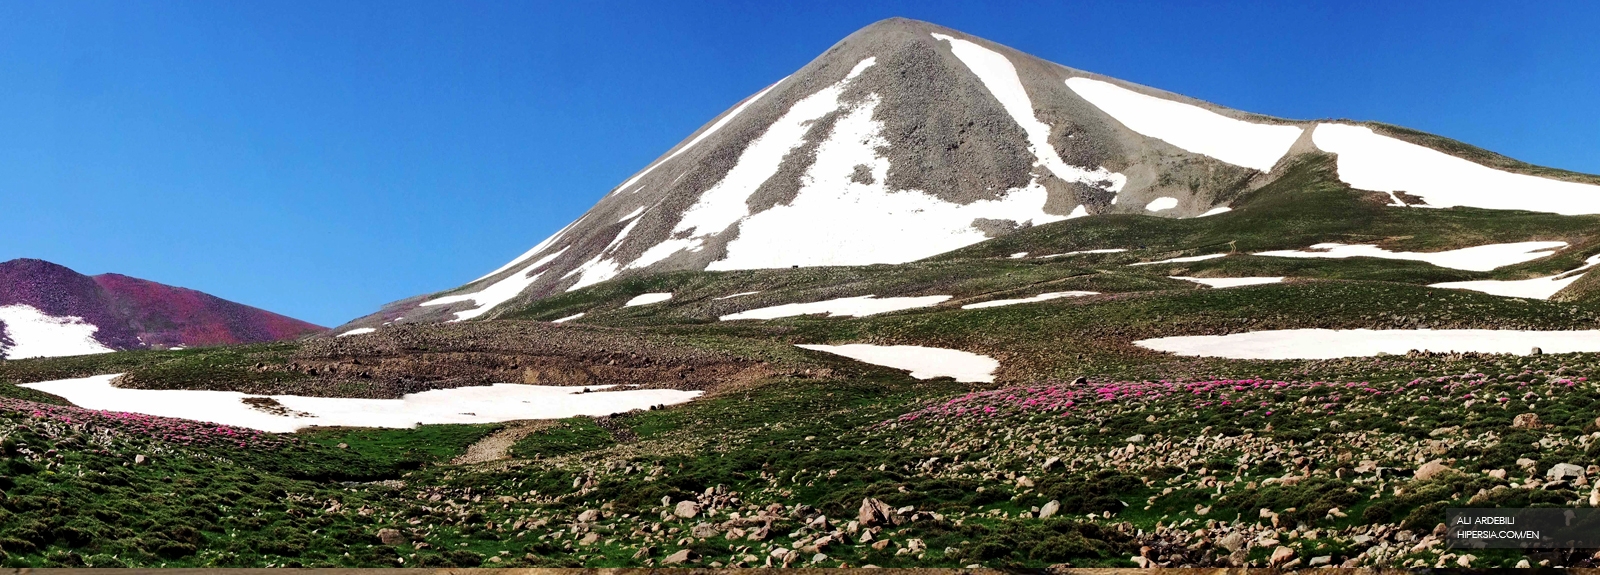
x=1431 y=469
x=686 y=509
x=1564 y=471
x=874 y=512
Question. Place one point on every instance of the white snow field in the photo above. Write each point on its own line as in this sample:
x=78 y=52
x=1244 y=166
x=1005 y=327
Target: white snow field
x=703 y=135
x=648 y=298
x=34 y=333
x=568 y=318
x=922 y=362
x=535 y=250
x=1185 y=259
x=1332 y=343
x=1476 y=258
x=1370 y=161
x=1190 y=127
x=726 y=202
x=1037 y=298
x=1000 y=77
x=478 y=404
x=1215 y=211
x=601 y=268
x=358 y=331
x=1161 y=204
x=859 y=306
x=1081 y=252
x=1532 y=288
x=1230 y=282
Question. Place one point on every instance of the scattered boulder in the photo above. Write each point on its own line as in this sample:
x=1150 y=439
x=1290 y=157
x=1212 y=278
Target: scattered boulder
x=139 y=459
x=704 y=531
x=589 y=516
x=1049 y=509
x=682 y=556
x=1137 y=438
x=874 y=512
x=1280 y=555
x=1525 y=421
x=1564 y=471
x=391 y=537
x=686 y=509
x=1431 y=469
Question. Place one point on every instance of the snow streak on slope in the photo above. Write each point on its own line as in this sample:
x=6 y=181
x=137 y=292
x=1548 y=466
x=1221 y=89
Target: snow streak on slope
x=358 y=331
x=709 y=131
x=1370 y=161
x=648 y=298
x=1534 y=288
x=860 y=306
x=34 y=333
x=1000 y=77
x=496 y=294
x=1215 y=211
x=727 y=202
x=1477 y=258
x=1190 y=127
x=845 y=222
x=1182 y=260
x=1104 y=251
x=1230 y=282
x=1037 y=298
x=600 y=268
x=922 y=362
x=535 y=250
x=1333 y=343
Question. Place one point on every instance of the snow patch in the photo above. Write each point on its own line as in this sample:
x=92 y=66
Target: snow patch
x=648 y=298
x=740 y=294
x=1018 y=255
x=1162 y=203
x=1185 y=259
x=478 y=404
x=535 y=250
x=1037 y=298
x=34 y=333
x=922 y=362
x=358 y=331
x=1333 y=343
x=1190 y=127
x=1081 y=252
x=1229 y=282
x=1000 y=77
x=860 y=306
x=1370 y=161
x=568 y=318
x=1477 y=258
x=1215 y=211
x=495 y=294
x=1533 y=288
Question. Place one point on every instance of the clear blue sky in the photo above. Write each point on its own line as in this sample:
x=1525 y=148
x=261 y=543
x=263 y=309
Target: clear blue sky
x=319 y=159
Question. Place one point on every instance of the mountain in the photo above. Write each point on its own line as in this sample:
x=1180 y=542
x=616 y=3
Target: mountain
x=50 y=310
x=906 y=140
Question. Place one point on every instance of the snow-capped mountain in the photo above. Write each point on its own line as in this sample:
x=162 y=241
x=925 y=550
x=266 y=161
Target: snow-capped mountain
x=907 y=139
x=48 y=310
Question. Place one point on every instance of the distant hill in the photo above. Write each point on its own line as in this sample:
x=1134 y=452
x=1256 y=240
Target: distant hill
x=50 y=310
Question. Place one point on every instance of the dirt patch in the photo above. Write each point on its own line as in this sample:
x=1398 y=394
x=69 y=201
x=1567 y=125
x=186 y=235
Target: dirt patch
x=497 y=445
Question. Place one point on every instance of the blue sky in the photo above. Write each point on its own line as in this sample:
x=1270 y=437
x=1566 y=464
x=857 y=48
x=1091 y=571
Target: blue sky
x=319 y=159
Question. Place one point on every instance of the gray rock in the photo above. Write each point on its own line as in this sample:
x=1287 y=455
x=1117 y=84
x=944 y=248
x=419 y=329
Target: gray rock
x=1049 y=509
x=1564 y=471
x=686 y=509
x=391 y=537
x=589 y=516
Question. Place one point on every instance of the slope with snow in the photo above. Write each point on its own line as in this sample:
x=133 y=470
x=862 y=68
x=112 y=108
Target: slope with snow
x=477 y=404
x=1230 y=282
x=1533 y=288
x=922 y=362
x=1182 y=260
x=1476 y=258
x=36 y=334
x=859 y=306
x=1191 y=127
x=1335 y=343
x=1371 y=161
x=647 y=299
x=1037 y=298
